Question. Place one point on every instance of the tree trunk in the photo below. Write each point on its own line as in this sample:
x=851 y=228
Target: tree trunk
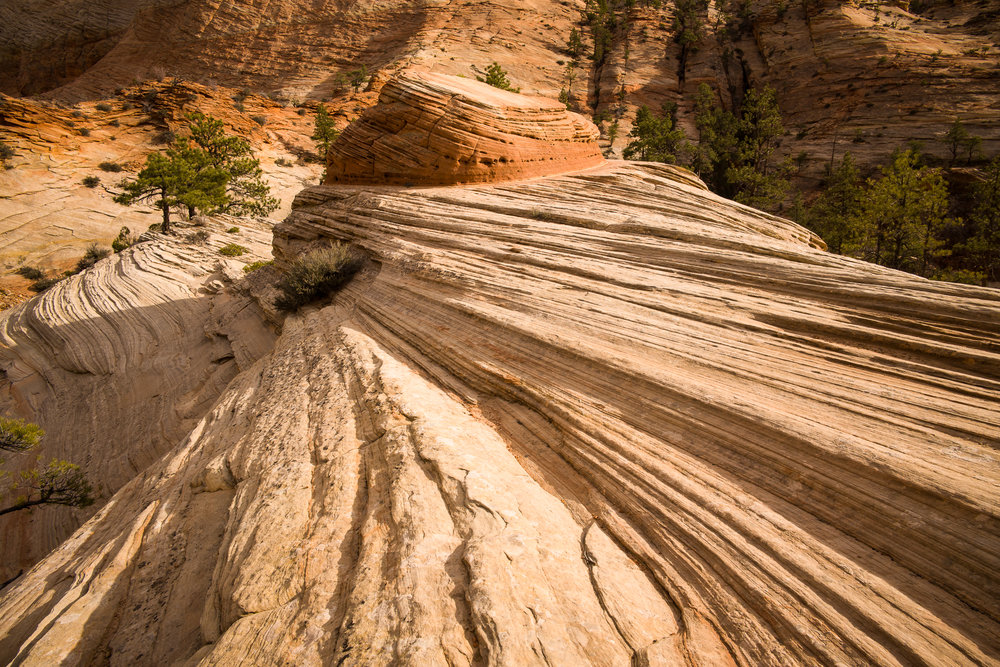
x=165 y=205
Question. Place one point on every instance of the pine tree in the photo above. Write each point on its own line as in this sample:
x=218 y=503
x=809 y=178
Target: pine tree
x=655 y=138
x=246 y=191
x=984 y=245
x=836 y=213
x=497 y=77
x=324 y=132
x=904 y=212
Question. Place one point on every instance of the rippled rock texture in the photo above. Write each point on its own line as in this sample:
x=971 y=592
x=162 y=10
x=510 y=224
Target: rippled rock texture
x=118 y=363
x=439 y=129
x=602 y=418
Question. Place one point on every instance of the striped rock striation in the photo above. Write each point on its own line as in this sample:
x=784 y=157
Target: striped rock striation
x=598 y=418
x=601 y=418
x=439 y=129
x=118 y=363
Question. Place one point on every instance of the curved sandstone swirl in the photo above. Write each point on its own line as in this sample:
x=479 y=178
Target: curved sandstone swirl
x=439 y=129
x=606 y=418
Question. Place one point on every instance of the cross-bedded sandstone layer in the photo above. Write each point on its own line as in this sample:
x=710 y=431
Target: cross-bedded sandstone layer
x=603 y=418
x=438 y=129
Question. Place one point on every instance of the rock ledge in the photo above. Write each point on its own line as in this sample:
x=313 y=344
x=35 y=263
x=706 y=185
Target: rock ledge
x=435 y=129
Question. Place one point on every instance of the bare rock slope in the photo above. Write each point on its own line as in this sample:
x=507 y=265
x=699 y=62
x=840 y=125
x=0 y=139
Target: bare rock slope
x=604 y=417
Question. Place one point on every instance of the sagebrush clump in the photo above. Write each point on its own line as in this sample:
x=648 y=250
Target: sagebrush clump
x=233 y=250
x=317 y=274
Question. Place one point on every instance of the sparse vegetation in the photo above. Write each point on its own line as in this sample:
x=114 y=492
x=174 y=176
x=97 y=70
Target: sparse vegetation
x=233 y=250
x=58 y=483
x=324 y=132
x=30 y=272
x=206 y=171
x=260 y=120
x=124 y=240
x=6 y=153
x=43 y=284
x=112 y=167
x=497 y=77
x=357 y=77
x=93 y=254
x=233 y=230
x=199 y=237
x=91 y=181
x=103 y=106
x=259 y=264
x=317 y=274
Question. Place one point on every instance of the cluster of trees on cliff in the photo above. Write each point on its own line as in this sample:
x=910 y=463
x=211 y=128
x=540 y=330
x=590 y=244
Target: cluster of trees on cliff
x=908 y=215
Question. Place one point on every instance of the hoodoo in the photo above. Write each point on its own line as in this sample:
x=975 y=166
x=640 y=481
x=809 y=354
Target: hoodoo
x=439 y=129
x=604 y=417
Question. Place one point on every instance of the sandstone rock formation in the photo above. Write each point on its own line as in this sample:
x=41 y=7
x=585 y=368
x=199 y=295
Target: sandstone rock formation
x=439 y=129
x=118 y=363
x=599 y=418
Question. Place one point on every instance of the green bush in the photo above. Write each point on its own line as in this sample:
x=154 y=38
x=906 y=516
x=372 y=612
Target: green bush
x=317 y=274
x=91 y=181
x=233 y=230
x=93 y=254
x=30 y=272
x=110 y=166
x=259 y=264
x=123 y=240
x=43 y=284
x=199 y=237
x=233 y=250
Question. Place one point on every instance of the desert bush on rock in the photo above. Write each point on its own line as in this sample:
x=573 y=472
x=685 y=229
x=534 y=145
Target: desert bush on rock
x=110 y=166
x=317 y=274
x=30 y=272
x=91 y=181
x=233 y=250
x=124 y=240
x=94 y=254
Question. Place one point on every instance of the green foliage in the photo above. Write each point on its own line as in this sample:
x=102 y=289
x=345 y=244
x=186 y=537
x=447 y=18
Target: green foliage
x=958 y=140
x=17 y=435
x=125 y=239
x=110 y=166
x=735 y=153
x=233 y=230
x=93 y=254
x=317 y=274
x=44 y=284
x=259 y=264
x=655 y=138
x=357 y=77
x=30 y=272
x=983 y=246
x=324 y=132
x=575 y=44
x=233 y=250
x=902 y=214
x=205 y=171
x=497 y=77
x=836 y=214
x=58 y=483
x=91 y=181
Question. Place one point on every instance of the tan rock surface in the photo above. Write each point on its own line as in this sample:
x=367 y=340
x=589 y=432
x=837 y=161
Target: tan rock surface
x=136 y=349
x=439 y=129
x=601 y=418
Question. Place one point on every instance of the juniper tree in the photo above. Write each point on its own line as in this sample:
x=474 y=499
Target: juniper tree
x=655 y=138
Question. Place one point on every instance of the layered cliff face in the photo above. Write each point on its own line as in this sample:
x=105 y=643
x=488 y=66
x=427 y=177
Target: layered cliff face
x=439 y=129
x=603 y=417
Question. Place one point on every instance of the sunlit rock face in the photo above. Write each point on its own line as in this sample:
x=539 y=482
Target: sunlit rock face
x=604 y=417
x=439 y=129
